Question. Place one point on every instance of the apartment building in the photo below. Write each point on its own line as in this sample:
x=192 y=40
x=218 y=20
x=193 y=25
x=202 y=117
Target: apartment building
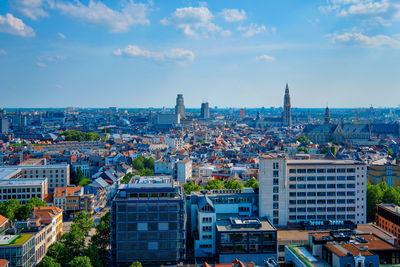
x=72 y=199
x=12 y=186
x=311 y=190
x=183 y=171
x=50 y=216
x=57 y=175
x=148 y=222
x=206 y=206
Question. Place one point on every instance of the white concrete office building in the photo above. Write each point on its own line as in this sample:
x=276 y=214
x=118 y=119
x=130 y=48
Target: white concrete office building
x=311 y=190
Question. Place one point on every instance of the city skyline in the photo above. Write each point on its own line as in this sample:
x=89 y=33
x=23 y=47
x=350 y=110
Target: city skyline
x=233 y=54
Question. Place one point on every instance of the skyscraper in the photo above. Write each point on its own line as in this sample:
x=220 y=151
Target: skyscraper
x=205 y=111
x=180 y=106
x=287 y=110
x=327 y=116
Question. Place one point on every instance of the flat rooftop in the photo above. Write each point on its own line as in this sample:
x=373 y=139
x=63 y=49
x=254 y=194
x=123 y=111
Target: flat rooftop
x=22 y=182
x=150 y=182
x=6 y=173
x=391 y=207
x=244 y=225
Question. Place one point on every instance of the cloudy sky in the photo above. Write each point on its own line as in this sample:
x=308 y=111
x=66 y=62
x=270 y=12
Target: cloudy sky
x=232 y=53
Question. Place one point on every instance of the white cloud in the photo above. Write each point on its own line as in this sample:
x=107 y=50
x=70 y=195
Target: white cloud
x=382 y=12
x=32 y=9
x=97 y=13
x=233 y=15
x=265 y=58
x=174 y=54
x=195 y=22
x=12 y=25
x=368 y=41
x=61 y=36
x=3 y=52
x=41 y=64
x=252 y=30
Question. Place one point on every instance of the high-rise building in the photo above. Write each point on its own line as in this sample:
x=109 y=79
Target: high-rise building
x=148 y=222
x=180 y=106
x=327 y=116
x=242 y=113
x=3 y=125
x=205 y=111
x=287 y=110
x=312 y=190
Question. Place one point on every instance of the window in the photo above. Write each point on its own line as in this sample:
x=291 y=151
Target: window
x=276 y=205
x=301 y=186
x=276 y=189
x=275 y=165
x=292 y=171
x=276 y=181
x=301 y=170
x=276 y=197
x=321 y=186
x=312 y=178
x=276 y=174
x=321 y=178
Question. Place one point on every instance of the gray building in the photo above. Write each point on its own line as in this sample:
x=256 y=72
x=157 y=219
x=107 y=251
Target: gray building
x=205 y=111
x=3 y=125
x=180 y=106
x=148 y=221
x=249 y=240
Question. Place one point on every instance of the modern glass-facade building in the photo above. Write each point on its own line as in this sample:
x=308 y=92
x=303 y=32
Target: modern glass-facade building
x=148 y=222
x=19 y=250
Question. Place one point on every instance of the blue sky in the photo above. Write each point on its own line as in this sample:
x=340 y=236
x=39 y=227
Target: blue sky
x=58 y=53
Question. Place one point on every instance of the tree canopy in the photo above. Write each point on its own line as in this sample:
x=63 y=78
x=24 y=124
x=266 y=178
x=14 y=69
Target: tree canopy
x=253 y=183
x=135 y=264
x=72 y=135
x=190 y=187
x=381 y=193
x=232 y=184
x=214 y=184
x=79 y=261
x=303 y=140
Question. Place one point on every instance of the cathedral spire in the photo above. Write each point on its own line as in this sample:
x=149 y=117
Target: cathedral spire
x=327 y=115
x=287 y=110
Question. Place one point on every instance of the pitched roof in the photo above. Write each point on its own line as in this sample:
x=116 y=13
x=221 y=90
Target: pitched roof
x=46 y=212
x=67 y=191
x=3 y=219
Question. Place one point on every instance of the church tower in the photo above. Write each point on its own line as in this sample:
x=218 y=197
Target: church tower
x=327 y=116
x=287 y=110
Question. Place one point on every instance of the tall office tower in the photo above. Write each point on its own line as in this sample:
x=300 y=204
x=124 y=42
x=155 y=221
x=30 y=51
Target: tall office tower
x=3 y=125
x=327 y=116
x=287 y=110
x=180 y=106
x=242 y=113
x=148 y=222
x=312 y=190
x=205 y=111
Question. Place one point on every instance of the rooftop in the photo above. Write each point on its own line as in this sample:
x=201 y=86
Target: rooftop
x=238 y=224
x=23 y=182
x=14 y=240
x=6 y=173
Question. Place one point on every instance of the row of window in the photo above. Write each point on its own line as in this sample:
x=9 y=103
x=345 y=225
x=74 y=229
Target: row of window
x=322 y=209
x=322 y=194
x=321 y=217
x=20 y=190
x=43 y=171
x=328 y=170
x=322 y=201
x=321 y=178
x=321 y=186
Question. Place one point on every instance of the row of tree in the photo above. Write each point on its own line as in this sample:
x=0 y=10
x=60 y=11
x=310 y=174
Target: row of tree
x=218 y=184
x=13 y=209
x=72 y=250
x=144 y=167
x=72 y=135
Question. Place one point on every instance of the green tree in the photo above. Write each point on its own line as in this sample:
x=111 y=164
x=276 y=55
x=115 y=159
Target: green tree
x=251 y=183
x=303 y=140
x=149 y=163
x=145 y=172
x=137 y=164
x=390 y=195
x=79 y=174
x=84 y=182
x=303 y=149
x=101 y=239
x=135 y=264
x=9 y=208
x=81 y=261
x=232 y=184
x=127 y=178
x=72 y=135
x=59 y=252
x=83 y=221
x=74 y=240
x=22 y=213
x=190 y=187
x=390 y=152
x=36 y=202
x=374 y=197
x=49 y=262
x=214 y=184
x=94 y=255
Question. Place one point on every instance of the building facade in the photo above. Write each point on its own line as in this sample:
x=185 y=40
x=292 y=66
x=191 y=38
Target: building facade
x=205 y=111
x=388 y=173
x=287 y=108
x=180 y=106
x=311 y=190
x=148 y=222
x=388 y=218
